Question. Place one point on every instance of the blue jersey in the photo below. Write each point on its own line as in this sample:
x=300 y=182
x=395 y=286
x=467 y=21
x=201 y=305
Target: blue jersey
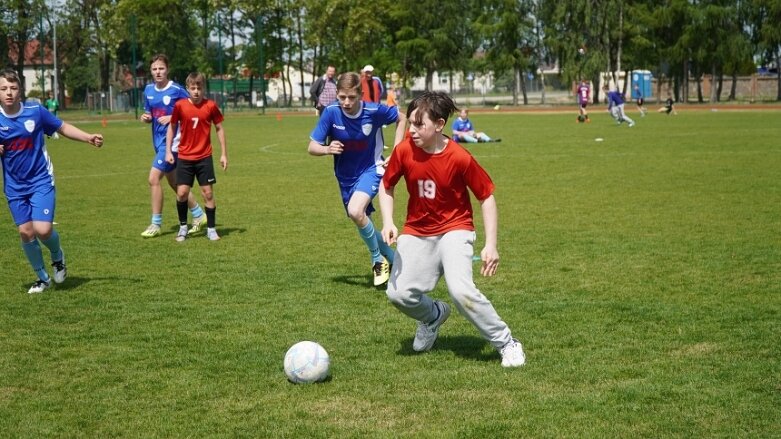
x=361 y=135
x=160 y=102
x=637 y=93
x=462 y=125
x=26 y=164
x=614 y=99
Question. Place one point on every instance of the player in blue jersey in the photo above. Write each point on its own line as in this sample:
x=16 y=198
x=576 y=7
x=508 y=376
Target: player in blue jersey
x=28 y=175
x=615 y=105
x=159 y=100
x=355 y=132
x=464 y=131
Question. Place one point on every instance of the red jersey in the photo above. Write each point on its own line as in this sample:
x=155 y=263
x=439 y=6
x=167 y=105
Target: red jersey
x=437 y=184
x=195 y=124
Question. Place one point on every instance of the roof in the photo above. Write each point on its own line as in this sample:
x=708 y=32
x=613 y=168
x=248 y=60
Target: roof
x=32 y=53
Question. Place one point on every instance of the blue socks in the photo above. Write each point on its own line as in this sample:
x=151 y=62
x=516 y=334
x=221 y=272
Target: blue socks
x=377 y=247
x=157 y=219
x=53 y=244
x=369 y=237
x=33 y=252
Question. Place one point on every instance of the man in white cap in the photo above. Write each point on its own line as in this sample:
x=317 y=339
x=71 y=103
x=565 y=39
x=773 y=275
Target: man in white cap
x=371 y=87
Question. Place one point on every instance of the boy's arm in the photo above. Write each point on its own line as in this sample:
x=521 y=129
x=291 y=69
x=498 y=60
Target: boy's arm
x=223 y=146
x=489 y=254
x=74 y=133
x=389 y=231
x=169 y=140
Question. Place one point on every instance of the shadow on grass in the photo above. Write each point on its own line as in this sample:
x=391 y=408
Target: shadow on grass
x=74 y=282
x=356 y=279
x=469 y=347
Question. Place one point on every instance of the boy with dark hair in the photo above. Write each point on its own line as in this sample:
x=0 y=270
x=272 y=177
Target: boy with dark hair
x=439 y=234
x=28 y=175
x=195 y=116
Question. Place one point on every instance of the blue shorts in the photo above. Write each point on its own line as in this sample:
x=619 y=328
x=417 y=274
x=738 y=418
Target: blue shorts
x=368 y=183
x=37 y=206
x=160 y=163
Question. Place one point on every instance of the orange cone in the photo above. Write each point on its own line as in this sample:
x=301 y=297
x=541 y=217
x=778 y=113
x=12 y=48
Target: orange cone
x=279 y=116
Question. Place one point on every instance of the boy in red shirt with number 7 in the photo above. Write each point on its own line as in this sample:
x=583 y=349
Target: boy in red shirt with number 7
x=196 y=116
x=439 y=233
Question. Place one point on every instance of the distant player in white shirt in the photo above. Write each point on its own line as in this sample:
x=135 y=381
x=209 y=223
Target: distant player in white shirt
x=28 y=175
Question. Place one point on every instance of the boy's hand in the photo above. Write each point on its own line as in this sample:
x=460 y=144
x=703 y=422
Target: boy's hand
x=163 y=120
x=389 y=234
x=490 y=257
x=146 y=118
x=335 y=147
x=96 y=140
x=224 y=162
x=1 y=149
x=169 y=157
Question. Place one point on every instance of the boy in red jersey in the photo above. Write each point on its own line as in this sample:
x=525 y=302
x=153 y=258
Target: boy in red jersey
x=196 y=116
x=439 y=234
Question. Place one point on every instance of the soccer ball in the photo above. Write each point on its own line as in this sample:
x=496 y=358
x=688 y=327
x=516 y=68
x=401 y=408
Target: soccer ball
x=582 y=51
x=306 y=362
x=581 y=118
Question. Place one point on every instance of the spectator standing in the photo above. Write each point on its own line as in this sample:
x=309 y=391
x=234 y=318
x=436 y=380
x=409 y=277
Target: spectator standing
x=323 y=90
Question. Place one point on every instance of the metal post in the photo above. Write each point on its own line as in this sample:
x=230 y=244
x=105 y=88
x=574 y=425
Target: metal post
x=43 y=71
x=261 y=63
x=133 y=67
x=219 y=59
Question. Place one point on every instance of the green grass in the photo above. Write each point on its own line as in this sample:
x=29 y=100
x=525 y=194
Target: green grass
x=642 y=274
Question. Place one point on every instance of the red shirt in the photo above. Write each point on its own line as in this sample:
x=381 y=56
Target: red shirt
x=437 y=184
x=195 y=123
x=370 y=90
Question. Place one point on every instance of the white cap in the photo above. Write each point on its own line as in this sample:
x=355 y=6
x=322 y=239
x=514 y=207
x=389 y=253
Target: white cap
x=367 y=68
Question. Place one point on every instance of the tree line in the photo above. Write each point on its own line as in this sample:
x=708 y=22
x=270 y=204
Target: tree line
x=677 y=40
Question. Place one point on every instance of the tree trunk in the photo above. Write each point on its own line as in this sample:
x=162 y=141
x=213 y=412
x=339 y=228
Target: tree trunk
x=734 y=86
x=713 y=87
x=542 y=87
x=516 y=83
x=523 y=89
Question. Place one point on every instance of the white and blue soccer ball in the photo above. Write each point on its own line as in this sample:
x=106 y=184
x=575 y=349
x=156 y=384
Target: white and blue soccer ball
x=307 y=362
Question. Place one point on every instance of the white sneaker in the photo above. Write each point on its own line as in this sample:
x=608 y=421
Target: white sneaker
x=631 y=124
x=427 y=333
x=182 y=235
x=60 y=272
x=212 y=234
x=39 y=286
x=512 y=354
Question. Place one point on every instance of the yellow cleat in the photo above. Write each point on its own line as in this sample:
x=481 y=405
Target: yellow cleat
x=151 y=231
x=198 y=225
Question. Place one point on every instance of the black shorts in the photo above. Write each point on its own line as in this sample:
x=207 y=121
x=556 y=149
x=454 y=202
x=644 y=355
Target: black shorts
x=640 y=102
x=188 y=170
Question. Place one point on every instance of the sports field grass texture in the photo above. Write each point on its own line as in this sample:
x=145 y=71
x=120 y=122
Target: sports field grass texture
x=642 y=273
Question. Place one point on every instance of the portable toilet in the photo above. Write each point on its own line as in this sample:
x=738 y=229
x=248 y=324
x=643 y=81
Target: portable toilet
x=643 y=79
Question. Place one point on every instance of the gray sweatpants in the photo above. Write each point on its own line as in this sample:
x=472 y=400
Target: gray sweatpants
x=420 y=262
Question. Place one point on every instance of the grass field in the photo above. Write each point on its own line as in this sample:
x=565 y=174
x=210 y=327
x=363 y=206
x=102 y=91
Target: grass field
x=642 y=273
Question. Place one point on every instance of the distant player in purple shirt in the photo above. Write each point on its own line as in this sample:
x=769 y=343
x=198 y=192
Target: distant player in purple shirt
x=584 y=94
x=28 y=175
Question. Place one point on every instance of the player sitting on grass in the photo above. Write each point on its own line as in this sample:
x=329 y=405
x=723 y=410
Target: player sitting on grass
x=464 y=131
x=195 y=117
x=439 y=234
x=28 y=175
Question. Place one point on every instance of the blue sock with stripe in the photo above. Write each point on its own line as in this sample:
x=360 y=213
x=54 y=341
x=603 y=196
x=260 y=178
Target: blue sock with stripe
x=157 y=219
x=196 y=211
